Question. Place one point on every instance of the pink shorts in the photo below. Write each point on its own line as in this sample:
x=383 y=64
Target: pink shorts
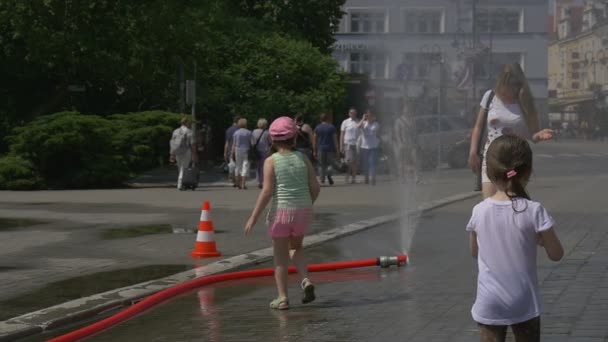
x=287 y=222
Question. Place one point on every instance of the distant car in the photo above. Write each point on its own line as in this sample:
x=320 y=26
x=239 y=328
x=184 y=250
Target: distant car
x=454 y=138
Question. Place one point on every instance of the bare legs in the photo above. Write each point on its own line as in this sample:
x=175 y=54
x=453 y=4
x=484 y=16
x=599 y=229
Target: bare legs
x=281 y=247
x=528 y=331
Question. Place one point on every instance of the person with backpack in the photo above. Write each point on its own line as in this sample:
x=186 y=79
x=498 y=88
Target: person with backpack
x=260 y=142
x=182 y=148
x=508 y=109
x=304 y=137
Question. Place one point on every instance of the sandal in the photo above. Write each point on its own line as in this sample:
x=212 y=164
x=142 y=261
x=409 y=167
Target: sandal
x=280 y=304
x=308 y=291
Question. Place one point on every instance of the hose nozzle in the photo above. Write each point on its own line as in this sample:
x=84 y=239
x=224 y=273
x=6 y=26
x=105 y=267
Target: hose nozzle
x=386 y=261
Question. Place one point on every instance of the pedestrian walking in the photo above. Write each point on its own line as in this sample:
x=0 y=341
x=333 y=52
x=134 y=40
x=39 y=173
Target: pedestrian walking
x=504 y=231
x=325 y=146
x=182 y=149
x=405 y=144
x=260 y=142
x=304 y=137
x=370 y=145
x=228 y=157
x=241 y=143
x=349 y=133
x=290 y=183
x=508 y=109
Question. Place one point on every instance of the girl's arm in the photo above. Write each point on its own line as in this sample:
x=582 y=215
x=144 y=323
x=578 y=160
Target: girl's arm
x=552 y=245
x=473 y=244
x=265 y=195
x=313 y=183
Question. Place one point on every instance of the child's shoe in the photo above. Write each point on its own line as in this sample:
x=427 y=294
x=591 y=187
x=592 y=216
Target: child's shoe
x=280 y=303
x=308 y=291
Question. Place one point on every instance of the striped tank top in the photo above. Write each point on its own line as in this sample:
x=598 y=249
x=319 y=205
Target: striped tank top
x=291 y=174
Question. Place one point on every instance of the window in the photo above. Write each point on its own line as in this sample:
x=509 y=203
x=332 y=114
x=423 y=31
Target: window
x=575 y=85
x=485 y=69
x=419 y=65
x=575 y=55
x=499 y=20
x=423 y=21
x=372 y=64
x=576 y=75
x=368 y=22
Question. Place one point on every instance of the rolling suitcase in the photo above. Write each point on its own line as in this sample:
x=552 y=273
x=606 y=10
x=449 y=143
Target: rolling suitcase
x=190 y=177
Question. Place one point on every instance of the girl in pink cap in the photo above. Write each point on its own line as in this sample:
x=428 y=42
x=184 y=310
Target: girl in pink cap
x=291 y=184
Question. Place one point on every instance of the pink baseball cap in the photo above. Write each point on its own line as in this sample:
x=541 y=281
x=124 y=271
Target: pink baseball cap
x=283 y=128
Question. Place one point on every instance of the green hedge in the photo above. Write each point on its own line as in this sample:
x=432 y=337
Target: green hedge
x=17 y=173
x=75 y=151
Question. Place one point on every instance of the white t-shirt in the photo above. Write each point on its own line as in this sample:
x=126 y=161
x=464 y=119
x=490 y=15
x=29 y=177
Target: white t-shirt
x=351 y=132
x=369 y=138
x=503 y=119
x=507 y=284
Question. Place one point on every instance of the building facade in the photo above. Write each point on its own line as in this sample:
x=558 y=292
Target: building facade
x=578 y=60
x=449 y=51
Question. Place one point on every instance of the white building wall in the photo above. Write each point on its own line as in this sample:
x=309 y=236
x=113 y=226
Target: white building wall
x=530 y=42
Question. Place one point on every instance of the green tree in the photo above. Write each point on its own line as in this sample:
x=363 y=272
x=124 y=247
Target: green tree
x=313 y=20
x=126 y=56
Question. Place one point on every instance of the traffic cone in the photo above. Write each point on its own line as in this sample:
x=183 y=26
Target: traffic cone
x=205 y=239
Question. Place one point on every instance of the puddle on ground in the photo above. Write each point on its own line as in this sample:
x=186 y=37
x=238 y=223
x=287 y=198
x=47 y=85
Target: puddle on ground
x=16 y=223
x=136 y=231
x=83 y=286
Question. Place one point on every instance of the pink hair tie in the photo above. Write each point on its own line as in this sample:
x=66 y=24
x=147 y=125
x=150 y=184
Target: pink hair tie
x=511 y=174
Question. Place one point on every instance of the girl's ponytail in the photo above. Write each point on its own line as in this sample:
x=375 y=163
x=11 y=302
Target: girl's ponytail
x=509 y=161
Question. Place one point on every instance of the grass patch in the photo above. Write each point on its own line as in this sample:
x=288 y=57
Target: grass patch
x=131 y=232
x=15 y=223
x=74 y=288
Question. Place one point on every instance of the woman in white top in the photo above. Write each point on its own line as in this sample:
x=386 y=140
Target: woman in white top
x=241 y=144
x=370 y=142
x=511 y=111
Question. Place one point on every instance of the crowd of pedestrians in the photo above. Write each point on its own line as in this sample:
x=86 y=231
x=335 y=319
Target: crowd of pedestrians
x=354 y=148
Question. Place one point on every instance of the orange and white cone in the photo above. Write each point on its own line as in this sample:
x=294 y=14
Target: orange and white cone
x=205 y=239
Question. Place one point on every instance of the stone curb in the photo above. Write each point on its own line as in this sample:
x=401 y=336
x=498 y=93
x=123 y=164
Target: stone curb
x=88 y=307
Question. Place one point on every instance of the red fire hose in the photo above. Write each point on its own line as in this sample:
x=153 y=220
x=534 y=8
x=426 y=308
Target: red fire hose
x=179 y=289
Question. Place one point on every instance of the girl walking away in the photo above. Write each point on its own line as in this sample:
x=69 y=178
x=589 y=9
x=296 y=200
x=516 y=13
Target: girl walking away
x=291 y=184
x=504 y=232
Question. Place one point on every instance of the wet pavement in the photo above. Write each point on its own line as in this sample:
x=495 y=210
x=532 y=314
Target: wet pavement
x=429 y=300
x=445 y=272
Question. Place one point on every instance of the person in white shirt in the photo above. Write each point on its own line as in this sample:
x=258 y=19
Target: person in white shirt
x=510 y=111
x=349 y=133
x=182 y=149
x=505 y=231
x=370 y=144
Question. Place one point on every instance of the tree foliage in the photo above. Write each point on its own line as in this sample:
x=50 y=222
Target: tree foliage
x=126 y=55
x=313 y=20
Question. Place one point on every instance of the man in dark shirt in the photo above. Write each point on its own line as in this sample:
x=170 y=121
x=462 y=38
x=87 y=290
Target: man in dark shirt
x=325 y=145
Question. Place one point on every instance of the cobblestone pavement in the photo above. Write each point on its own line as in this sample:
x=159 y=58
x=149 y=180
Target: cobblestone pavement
x=429 y=300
